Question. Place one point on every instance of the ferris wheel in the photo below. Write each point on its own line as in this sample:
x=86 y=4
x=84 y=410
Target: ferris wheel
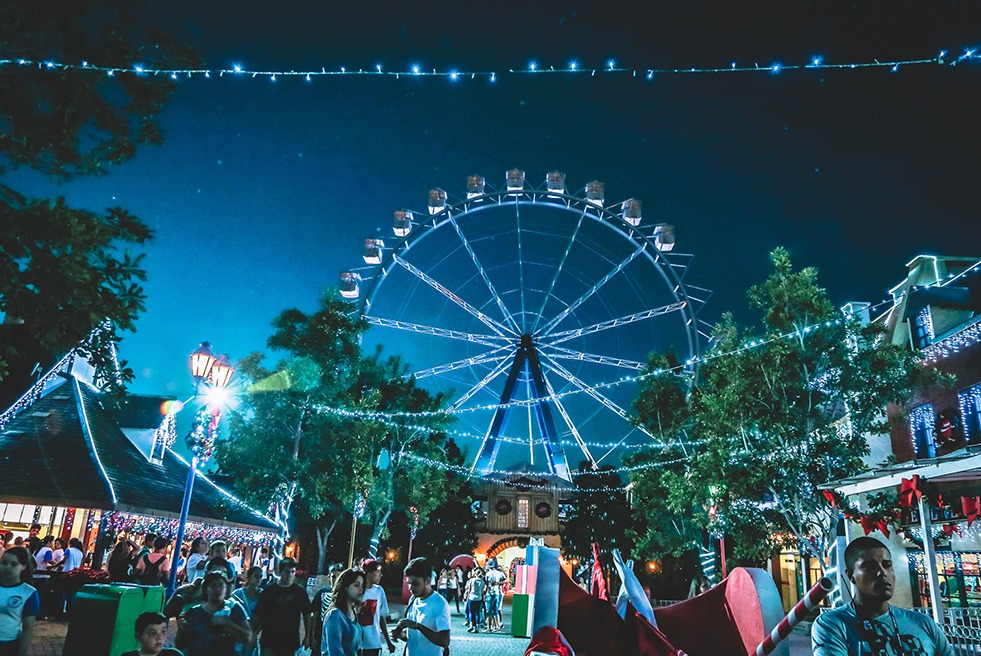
x=534 y=310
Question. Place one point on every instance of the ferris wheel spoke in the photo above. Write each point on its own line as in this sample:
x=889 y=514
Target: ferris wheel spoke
x=484 y=358
x=484 y=276
x=592 y=290
x=558 y=270
x=486 y=340
x=469 y=394
x=572 y=426
x=566 y=335
x=614 y=447
x=521 y=266
x=480 y=316
x=594 y=394
x=560 y=353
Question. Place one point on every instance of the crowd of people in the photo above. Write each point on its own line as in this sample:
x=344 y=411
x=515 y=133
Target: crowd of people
x=221 y=610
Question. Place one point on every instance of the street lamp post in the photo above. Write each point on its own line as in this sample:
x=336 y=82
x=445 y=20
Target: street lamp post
x=215 y=373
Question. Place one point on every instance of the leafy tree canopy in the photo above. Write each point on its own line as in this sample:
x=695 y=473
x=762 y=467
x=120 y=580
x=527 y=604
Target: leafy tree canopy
x=63 y=269
x=774 y=422
x=283 y=447
x=598 y=512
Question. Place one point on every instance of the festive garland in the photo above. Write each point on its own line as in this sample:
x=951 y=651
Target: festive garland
x=166 y=527
x=503 y=507
x=543 y=510
x=886 y=510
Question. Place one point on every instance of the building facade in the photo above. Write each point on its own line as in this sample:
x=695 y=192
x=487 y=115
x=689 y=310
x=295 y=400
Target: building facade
x=936 y=313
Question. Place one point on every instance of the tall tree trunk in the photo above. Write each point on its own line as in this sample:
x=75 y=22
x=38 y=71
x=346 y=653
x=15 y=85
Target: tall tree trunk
x=323 y=532
x=380 y=523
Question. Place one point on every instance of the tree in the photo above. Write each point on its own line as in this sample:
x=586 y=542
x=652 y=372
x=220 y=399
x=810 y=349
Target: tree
x=598 y=512
x=406 y=481
x=666 y=513
x=451 y=527
x=782 y=417
x=285 y=447
x=64 y=270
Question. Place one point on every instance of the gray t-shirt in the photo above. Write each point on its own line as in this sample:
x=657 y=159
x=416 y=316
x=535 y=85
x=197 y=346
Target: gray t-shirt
x=839 y=633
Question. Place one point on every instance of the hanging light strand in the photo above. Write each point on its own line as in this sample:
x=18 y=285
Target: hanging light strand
x=571 y=68
x=798 y=334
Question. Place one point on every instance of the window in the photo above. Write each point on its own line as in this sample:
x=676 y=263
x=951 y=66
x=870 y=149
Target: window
x=922 y=422
x=922 y=329
x=524 y=505
x=970 y=402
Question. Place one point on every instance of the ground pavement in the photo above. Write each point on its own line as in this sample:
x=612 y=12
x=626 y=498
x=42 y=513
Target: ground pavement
x=49 y=639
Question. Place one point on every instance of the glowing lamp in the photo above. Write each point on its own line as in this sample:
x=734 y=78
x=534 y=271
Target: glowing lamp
x=555 y=183
x=515 y=180
x=221 y=372
x=201 y=361
x=475 y=186
x=372 y=250
x=595 y=193
x=437 y=201
x=664 y=237
x=402 y=224
x=349 y=284
x=631 y=211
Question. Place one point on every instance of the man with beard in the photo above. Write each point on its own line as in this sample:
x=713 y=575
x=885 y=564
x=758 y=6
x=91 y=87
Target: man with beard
x=870 y=626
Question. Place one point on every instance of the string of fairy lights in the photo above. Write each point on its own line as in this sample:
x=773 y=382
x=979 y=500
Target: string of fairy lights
x=750 y=345
x=31 y=396
x=573 y=68
x=506 y=477
x=353 y=414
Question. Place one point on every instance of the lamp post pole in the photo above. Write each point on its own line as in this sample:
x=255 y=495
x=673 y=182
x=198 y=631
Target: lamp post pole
x=216 y=373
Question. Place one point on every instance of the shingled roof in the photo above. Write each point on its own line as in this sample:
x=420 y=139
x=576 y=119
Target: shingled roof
x=66 y=450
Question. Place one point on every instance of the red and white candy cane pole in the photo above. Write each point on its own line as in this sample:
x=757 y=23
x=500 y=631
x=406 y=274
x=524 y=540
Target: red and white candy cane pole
x=796 y=614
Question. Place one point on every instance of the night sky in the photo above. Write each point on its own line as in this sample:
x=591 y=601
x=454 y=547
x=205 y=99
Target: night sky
x=264 y=190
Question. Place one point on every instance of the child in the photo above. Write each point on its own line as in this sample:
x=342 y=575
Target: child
x=151 y=632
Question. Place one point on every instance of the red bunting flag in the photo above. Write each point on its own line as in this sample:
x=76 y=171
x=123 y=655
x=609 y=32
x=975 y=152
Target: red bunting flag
x=971 y=507
x=598 y=587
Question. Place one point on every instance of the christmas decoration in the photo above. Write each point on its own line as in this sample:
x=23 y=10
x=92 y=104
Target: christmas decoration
x=543 y=510
x=135 y=524
x=201 y=439
x=570 y=68
x=503 y=507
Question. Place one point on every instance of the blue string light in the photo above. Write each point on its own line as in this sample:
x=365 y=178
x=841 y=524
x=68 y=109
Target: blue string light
x=415 y=70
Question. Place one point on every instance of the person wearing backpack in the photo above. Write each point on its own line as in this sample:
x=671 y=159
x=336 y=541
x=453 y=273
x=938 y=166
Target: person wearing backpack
x=154 y=568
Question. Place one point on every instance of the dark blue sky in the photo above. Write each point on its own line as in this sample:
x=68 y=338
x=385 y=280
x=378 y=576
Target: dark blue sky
x=263 y=191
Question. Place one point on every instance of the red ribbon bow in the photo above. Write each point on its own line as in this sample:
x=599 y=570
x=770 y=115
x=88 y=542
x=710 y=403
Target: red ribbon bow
x=950 y=529
x=971 y=507
x=870 y=524
x=829 y=496
x=908 y=490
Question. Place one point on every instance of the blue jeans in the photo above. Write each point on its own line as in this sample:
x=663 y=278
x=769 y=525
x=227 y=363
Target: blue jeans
x=492 y=605
x=474 y=608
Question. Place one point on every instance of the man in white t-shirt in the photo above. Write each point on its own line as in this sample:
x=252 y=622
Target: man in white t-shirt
x=374 y=611
x=73 y=555
x=427 y=619
x=44 y=555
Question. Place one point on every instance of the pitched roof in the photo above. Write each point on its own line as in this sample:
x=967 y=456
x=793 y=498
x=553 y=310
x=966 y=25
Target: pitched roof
x=66 y=450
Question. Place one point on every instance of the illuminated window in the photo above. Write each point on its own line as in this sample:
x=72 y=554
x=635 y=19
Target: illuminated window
x=970 y=402
x=922 y=422
x=923 y=329
x=523 y=508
